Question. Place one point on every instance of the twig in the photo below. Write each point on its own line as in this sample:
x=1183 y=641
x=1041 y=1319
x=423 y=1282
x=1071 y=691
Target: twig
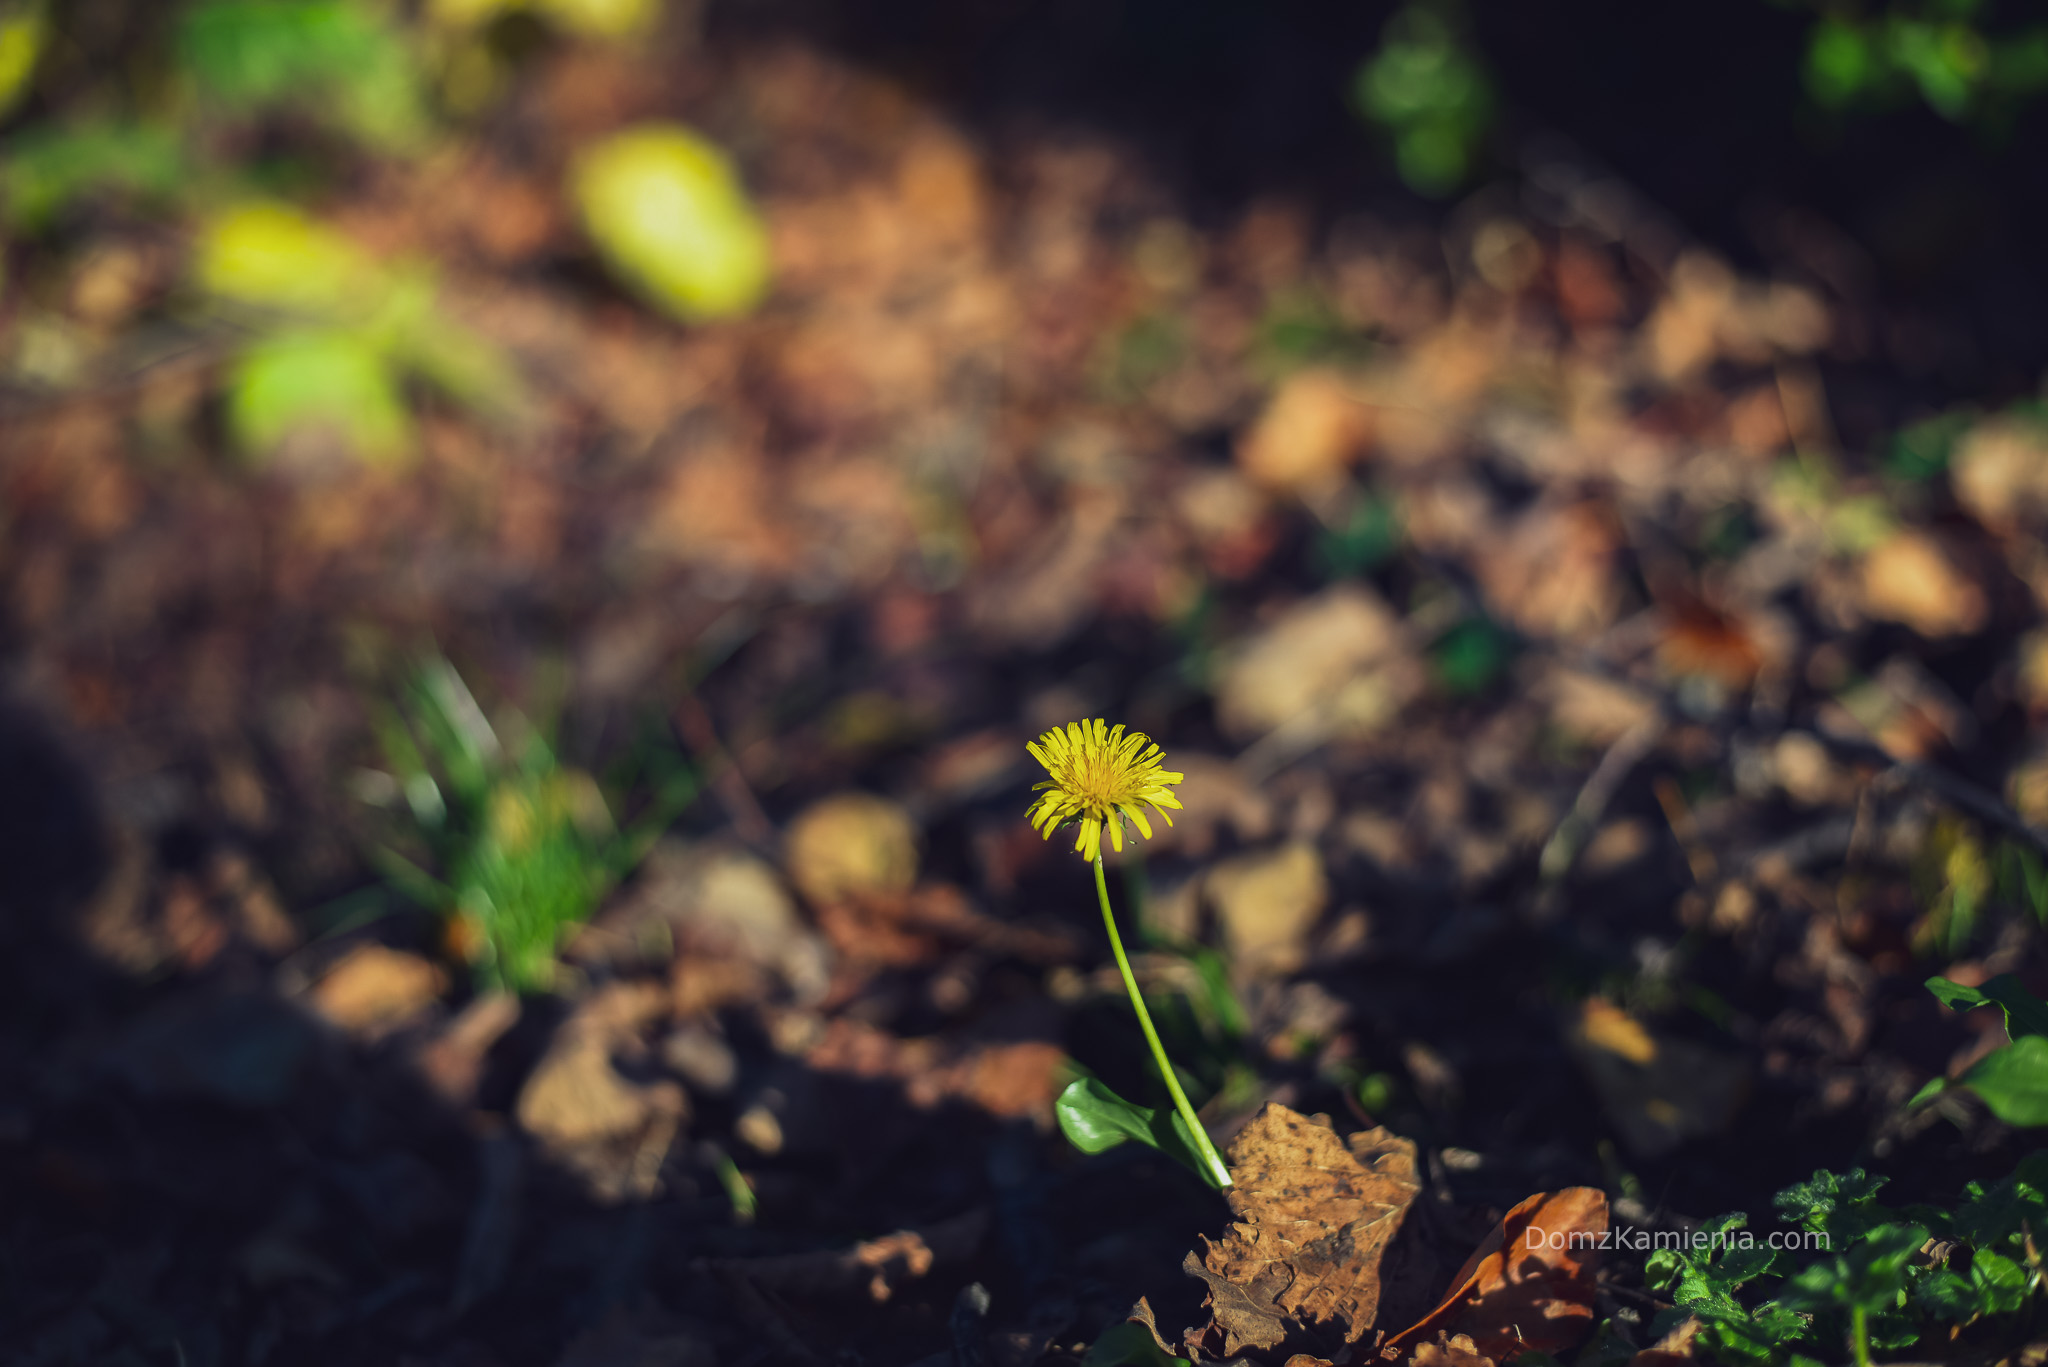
x=693 y=720
x=1950 y=788
x=1561 y=851
x=767 y=1319
x=493 y=1222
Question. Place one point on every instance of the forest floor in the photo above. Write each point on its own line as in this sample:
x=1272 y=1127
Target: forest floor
x=1600 y=712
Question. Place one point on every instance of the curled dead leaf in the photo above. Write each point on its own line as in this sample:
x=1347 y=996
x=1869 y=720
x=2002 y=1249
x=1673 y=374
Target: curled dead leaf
x=1528 y=1286
x=1305 y=1264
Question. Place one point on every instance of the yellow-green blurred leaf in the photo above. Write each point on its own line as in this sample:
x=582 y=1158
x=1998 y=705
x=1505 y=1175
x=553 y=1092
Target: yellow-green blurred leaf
x=276 y=257
x=23 y=32
x=337 y=380
x=600 y=18
x=584 y=18
x=667 y=211
x=467 y=13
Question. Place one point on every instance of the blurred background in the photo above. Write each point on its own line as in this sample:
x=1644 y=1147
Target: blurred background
x=533 y=534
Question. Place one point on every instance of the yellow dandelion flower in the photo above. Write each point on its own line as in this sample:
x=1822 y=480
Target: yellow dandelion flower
x=1100 y=776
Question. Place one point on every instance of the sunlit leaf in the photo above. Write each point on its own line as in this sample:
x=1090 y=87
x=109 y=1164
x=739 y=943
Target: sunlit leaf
x=1868 y=1275
x=1095 y=1119
x=2025 y=1014
x=603 y=19
x=274 y=256
x=600 y=18
x=336 y=380
x=1427 y=89
x=2013 y=1081
x=24 y=31
x=1839 y=63
x=669 y=215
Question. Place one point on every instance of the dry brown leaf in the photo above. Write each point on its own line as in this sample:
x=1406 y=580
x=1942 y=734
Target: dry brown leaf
x=1529 y=1284
x=373 y=988
x=2000 y=472
x=1911 y=579
x=849 y=844
x=1316 y=1218
x=897 y=930
x=1312 y=429
x=1267 y=903
x=1318 y=659
x=1553 y=572
x=1675 y=1349
x=1703 y=641
x=1447 y=1351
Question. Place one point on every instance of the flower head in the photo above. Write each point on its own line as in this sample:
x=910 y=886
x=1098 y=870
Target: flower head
x=1100 y=776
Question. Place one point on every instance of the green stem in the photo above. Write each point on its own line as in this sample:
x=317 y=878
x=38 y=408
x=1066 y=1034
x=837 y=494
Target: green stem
x=1214 y=1160
x=1859 y=1334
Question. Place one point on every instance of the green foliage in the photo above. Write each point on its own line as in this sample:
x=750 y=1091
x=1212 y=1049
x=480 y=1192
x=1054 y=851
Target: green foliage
x=1954 y=876
x=336 y=334
x=49 y=168
x=1368 y=538
x=1127 y=1344
x=2023 y=879
x=338 y=380
x=2023 y=1012
x=1705 y=1283
x=1095 y=1119
x=1429 y=93
x=1919 y=452
x=336 y=61
x=1882 y=1278
x=518 y=849
x=1300 y=327
x=2012 y=1081
x=669 y=215
x=1938 y=49
x=1471 y=656
x=1148 y=349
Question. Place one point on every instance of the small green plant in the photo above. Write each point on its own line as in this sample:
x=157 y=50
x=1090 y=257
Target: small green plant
x=1368 y=536
x=2012 y=1080
x=1470 y=657
x=1938 y=49
x=334 y=61
x=1920 y=451
x=1883 y=1278
x=334 y=335
x=1102 y=779
x=512 y=847
x=1427 y=90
